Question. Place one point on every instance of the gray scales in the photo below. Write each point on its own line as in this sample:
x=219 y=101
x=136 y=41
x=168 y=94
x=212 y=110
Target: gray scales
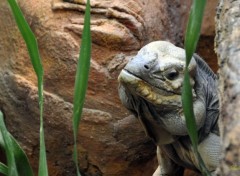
x=150 y=87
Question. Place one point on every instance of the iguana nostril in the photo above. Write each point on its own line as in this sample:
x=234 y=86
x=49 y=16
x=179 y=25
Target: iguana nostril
x=146 y=66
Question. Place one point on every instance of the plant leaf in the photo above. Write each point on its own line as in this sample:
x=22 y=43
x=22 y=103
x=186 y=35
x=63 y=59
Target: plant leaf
x=188 y=108
x=81 y=79
x=32 y=47
x=12 y=168
x=22 y=163
x=194 y=28
x=191 y=40
x=3 y=169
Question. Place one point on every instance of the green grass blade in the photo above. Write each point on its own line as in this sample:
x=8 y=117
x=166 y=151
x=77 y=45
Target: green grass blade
x=28 y=37
x=81 y=79
x=22 y=163
x=32 y=47
x=188 y=108
x=3 y=169
x=12 y=168
x=191 y=40
x=194 y=28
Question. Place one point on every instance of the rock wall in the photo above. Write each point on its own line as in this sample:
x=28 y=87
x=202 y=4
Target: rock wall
x=227 y=45
x=111 y=141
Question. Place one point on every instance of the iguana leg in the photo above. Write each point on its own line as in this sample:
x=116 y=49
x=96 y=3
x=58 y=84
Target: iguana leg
x=210 y=150
x=166 y=166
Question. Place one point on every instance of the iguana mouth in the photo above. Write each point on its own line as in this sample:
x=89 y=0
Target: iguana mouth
x=147 y=91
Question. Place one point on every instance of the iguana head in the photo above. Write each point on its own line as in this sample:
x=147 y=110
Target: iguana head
x=156 y=74
x=150 y=87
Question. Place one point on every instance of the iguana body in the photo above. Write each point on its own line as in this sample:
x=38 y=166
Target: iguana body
x=150 y=87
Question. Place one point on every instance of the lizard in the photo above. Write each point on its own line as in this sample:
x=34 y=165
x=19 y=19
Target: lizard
x=150 y=86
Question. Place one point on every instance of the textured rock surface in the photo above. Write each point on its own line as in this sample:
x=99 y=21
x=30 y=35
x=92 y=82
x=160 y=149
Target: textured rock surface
x=112 y=142
x=227 y=49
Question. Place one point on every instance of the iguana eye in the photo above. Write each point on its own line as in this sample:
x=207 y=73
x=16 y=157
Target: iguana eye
x=173 y=74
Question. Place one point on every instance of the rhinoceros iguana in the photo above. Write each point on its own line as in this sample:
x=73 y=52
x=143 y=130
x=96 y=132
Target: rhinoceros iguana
x=150 y=87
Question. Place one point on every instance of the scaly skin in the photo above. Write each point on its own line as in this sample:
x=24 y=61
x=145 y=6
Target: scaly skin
x=150 y=87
